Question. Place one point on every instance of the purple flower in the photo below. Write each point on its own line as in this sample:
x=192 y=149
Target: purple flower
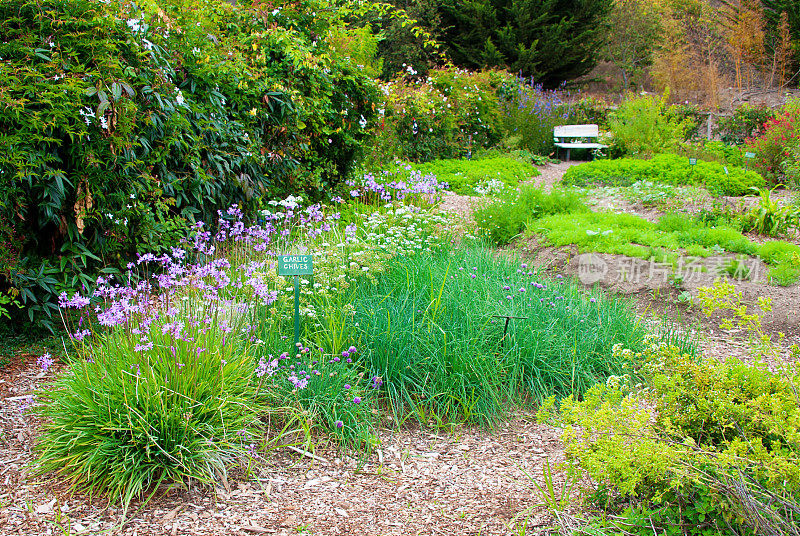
x=46 y=361
x=352 y=349
x=265 y=367
x=339 y=424
x=592 y=300
x=356 y=400
x=81 y=334
x=347 y=386
x=143 y=347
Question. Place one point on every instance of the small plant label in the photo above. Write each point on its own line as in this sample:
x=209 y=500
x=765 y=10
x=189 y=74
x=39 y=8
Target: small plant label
x=295 y=265
x=749 y=155
x=693 y=161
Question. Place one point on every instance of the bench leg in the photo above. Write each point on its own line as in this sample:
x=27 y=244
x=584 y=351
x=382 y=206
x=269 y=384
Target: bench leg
x=568 y=150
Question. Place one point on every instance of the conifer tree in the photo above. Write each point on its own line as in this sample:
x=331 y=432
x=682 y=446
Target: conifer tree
x=550 y=40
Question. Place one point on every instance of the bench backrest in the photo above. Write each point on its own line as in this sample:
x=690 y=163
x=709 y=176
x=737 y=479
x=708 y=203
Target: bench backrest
x=576 y=131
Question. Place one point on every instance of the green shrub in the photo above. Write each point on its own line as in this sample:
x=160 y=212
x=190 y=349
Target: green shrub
x=116 y=133
x=666 y=168
x=697 y=443
x=506 y=217
x=479 y=175
x=713 y=151
x=642 y=126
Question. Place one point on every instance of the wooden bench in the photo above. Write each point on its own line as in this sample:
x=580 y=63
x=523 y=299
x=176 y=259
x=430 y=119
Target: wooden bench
x=576 y=137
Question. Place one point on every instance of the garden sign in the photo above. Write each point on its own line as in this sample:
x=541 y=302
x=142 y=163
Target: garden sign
x=295 y=265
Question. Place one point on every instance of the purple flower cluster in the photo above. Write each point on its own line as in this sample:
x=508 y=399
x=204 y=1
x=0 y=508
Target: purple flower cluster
x=45 y=361
x=389 y=187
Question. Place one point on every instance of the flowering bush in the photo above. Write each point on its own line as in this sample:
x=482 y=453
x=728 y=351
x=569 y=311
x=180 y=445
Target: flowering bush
x=123 y=125
x=530 y=114
x=746 y=122
x=775 y=146
x=449 y=113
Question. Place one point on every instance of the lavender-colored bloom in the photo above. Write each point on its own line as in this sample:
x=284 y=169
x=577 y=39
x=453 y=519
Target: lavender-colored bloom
x=45 y=361
x=357 y=400
x=347 y=386
x=339 y=424
x=266 y=367
x=143 y=346
x=80 y=334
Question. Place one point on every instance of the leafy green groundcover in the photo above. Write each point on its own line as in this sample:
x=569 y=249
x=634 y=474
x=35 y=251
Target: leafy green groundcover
x=471 y=177
x=627 y=234
x=667 y=168
x=693 y=445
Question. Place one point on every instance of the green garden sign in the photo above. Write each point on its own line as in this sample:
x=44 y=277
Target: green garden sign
x=693 y=161
x=296 y=265
x=748 y=156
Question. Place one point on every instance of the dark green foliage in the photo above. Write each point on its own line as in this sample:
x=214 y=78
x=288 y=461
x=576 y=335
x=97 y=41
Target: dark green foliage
x=553 y=41
x=119 y=126
x=401 y=47
x=666 y=168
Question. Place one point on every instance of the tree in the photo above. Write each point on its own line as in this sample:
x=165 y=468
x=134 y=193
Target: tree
x=634 y=30
x=550 y=40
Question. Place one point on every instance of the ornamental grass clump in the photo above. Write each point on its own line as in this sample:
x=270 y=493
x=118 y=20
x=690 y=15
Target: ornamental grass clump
x=164 y=395
x=432 y=333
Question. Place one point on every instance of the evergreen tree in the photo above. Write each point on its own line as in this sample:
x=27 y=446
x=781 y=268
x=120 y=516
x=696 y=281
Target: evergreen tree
x=773 y=10
x=550 y=40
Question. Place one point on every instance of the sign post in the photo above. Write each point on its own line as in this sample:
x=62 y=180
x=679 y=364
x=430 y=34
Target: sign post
x=747 y=157
x=295 y=265
x=693 y=162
